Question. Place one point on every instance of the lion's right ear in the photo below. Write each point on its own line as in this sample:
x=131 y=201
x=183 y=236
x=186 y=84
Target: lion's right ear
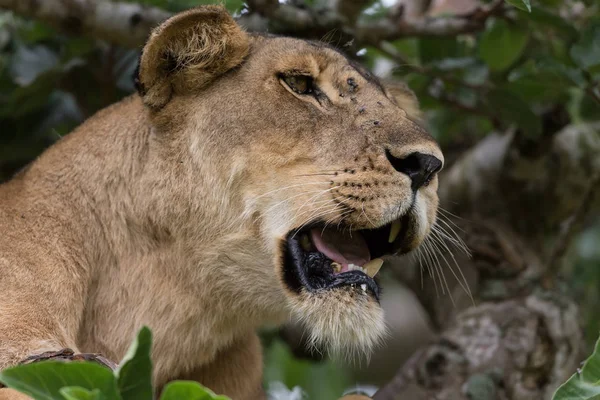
x=187 y=52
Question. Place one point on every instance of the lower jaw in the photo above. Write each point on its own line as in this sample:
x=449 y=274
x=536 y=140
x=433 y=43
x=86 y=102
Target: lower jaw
x=310 y=270
x=342 y=322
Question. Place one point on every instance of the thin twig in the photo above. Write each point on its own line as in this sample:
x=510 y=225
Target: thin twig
x=571 y=227
x=592 y=90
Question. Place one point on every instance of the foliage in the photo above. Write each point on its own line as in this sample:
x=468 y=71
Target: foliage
x=585 y=384
x=586 y=278
x=535 y=68
x=325 y=380
x=53 y=380
x=522 y=70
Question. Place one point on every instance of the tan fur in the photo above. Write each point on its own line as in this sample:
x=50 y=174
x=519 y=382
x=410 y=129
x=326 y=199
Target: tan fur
x=169 y=208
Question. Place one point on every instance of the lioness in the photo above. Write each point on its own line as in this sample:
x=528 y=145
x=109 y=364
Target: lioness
x=252 y=179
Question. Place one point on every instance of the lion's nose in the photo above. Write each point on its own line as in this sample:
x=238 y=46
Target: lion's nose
x=419 y=167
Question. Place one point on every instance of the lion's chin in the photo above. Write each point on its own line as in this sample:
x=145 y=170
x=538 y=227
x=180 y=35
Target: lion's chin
x=330 y=273
x=344 y=322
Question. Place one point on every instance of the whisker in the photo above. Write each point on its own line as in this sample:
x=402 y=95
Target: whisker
x=465 y=287
x=440 y=270
x=435 y=262
x=288 y=187
x=318 y=210
x=320 y=214
x=316 y=174
x=330 y=220
x=450 y=213
x=453 y=238
x=449 y=216
x=307 y=201
x=437 y=243
x=415 y=255
x=362 y=204
x=313 y=214
x=429 y=263
x=293 y=197
x=341 y=217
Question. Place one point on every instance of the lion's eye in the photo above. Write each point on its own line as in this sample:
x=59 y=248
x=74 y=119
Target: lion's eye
x=301 y=84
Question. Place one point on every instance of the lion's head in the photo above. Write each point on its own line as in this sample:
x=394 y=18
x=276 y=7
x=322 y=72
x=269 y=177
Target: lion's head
x=292 y=141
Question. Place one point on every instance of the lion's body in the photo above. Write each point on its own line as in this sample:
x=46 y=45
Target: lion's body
x=168 y=210
x=79 y=248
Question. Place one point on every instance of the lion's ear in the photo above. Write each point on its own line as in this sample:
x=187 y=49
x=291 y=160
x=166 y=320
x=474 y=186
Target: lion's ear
x=404 y=98
x=187 y=52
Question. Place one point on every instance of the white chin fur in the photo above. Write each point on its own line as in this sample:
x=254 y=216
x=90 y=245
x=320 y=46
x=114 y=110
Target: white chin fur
x=344 y=322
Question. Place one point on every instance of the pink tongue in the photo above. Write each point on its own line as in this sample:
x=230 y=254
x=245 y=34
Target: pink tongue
x=342 y=247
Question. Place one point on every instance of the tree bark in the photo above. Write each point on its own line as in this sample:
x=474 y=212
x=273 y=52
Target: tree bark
x=520 y=336
x=127 y=24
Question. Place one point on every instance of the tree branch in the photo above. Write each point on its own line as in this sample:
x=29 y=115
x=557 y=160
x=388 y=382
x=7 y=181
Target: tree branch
x=572 y=226
x=516 y=349
x=395 y=27
x=348 y=9
x=129 y=24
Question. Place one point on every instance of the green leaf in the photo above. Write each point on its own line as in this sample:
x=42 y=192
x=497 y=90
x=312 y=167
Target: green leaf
x=544 y=17
x=502 y=44
x=524 y=5
x=79 y=393
x=188 y=390
x=589 y=109
x=409 y=48
x=563 y=72
x=322 y=381
x=134 y=375
x=29 y=63
x=476 y=74
x=435 y=49
x=586 y=52
x=31 y=98
x=585 y=384
x=452 y=64
x=534 y=82
x=44 y=380
x=512 y=108
x=77 y=47
x=34 y=32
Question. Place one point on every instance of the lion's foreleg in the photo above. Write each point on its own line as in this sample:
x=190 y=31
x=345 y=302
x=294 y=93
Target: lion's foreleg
x=236 y=371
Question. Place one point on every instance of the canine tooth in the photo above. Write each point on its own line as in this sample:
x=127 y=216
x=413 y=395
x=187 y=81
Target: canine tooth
x=305 y=242
x=336 y=267
x=394 y=230
x=372 y=267
x=363 y=287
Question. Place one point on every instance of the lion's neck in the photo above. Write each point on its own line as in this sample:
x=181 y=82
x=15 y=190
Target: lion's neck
x=116 y=169
x=142 y=223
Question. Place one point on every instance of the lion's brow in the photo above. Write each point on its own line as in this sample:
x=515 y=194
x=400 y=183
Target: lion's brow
x=369 y=77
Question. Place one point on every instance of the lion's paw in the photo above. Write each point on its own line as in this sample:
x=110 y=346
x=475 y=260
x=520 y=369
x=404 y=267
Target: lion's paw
x=69 y=355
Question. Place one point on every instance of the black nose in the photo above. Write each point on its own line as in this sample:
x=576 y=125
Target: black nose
x=420 y=168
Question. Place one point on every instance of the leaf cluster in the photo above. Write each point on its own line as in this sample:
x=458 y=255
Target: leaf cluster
x=54 y=380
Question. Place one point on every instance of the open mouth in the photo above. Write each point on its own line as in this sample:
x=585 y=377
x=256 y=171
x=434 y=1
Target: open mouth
x=320 y=257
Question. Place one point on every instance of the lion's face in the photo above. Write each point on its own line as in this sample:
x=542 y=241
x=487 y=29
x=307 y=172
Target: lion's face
x=330 y=166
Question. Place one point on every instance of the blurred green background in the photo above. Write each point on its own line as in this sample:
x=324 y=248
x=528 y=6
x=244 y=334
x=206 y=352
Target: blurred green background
x=536 y=71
